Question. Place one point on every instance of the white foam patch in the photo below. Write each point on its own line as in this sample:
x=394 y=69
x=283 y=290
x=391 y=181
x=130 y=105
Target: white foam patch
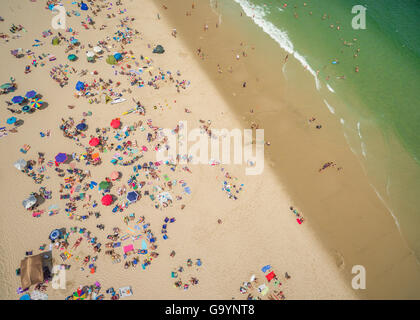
x=257 y=14
x=332 y=110
x=358 y=130
x=329 y=88
x=341 y=120
x=363 y=146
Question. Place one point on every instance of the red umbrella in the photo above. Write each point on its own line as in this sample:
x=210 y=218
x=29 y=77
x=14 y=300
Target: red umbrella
x=115 y=123
x=94 y=142
x=106 y=200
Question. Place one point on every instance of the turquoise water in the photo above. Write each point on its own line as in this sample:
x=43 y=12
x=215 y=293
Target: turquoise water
x=378 y=106
x=388 y=80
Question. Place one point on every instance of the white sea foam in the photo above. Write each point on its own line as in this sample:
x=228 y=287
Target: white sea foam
x=358 y=130
x=341 y=120
x=386 y=205
x=329 y=88
x=363 y=146
x=332 y=110
x=257 y=14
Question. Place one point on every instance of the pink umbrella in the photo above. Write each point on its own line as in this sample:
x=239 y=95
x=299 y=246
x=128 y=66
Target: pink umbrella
x=115 y=175
x=94 y=142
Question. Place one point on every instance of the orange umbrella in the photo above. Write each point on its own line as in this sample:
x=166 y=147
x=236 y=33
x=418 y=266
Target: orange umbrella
x=94 y=142
x=115 y=123
x=95 y=156
x=115 y=175
x=107 y=200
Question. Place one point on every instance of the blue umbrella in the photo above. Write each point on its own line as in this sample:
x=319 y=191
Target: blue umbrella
x=18 y=99
x=55 y=234
x=81 y=126
x=80 y=85
x=26 y=108
x=61 y=157
x=25 y=297
x=118 y=56
x=30 y=94
x=11 y=120
x=132 y=196
x=83 y=6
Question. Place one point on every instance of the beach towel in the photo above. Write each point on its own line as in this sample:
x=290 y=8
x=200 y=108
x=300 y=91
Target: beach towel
x=128 y=248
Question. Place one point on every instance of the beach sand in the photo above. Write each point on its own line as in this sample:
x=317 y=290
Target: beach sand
x=256 y=230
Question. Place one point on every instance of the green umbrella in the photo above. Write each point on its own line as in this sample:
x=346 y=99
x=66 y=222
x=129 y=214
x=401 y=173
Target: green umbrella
x=72 y=57
x=111 y=60
x=56 y=41
x=104 y=185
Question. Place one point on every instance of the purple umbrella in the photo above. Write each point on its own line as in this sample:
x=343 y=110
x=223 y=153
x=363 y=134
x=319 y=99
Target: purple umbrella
x=18 y=99
x=61 y=157
x=30 y=94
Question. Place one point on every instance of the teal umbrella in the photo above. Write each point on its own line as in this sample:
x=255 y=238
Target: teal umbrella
x=26 y=108
x=11 y=120
x=72 y=57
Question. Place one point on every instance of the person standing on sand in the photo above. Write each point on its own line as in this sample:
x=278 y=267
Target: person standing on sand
x=285 y=59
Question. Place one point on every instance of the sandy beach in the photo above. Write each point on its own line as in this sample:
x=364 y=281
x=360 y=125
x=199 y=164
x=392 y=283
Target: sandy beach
x=345 y=223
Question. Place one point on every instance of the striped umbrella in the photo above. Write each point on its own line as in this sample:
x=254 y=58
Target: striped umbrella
x=36 y=103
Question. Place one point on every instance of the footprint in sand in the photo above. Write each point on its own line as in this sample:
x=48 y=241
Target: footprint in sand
x=339 y=260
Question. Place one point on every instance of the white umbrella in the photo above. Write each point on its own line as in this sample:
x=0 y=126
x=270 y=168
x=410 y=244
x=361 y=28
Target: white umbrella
x=97 y=49
x=90 y=54
x=20 y=164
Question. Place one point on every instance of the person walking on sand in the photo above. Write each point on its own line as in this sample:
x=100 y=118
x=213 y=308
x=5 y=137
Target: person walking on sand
x=285 y=59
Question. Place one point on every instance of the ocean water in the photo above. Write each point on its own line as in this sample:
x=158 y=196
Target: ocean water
x=379 y=107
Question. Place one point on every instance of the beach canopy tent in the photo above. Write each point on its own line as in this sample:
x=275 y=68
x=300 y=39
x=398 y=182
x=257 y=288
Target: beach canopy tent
x=80 y=86
x=81 y=126
x=94 y=142
x=61 y=157
x=18 y=99
x=115 y=123
x=270 y=276
x=6 y=86
x=107 y=200
x=29 y=202
x=35 y=269
x=20 y=164
x=55 y=41
x=30 y=94
x=11 y=120
x=104 y=185
x=111 y=60
x=118 y=56
x=72 y=57
x=26 y=108
x=55 y=234
x=158 y=49
x=132 y=196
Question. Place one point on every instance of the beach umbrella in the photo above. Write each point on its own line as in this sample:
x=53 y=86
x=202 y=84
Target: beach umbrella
x=72 y=57
x=111 y=60
x=26 y=108
x=6 y=86
x=104 y=185
x=132 y=196
x=74 y=41
x=20 y=164
x=115 y=175
x=11 y=120
x=55 y=41
x=81 y=126
x=94 y=142
x=29 y=202
x=80 y=85
x=83 y=6
x=90 y=54
x=115 y=123
x=30 y=94
x=117 y=56
x=17 y=99
x=107 y=200
x=36 y=103
x=97 y=49
x=61 y=157
x=158 y=49
x=25 y=297
x=54 y=235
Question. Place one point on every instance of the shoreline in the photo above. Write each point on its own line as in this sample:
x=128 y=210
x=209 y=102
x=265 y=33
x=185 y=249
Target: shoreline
x=335 y=235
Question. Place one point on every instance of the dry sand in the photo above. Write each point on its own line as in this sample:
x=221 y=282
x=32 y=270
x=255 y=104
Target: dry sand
x=257 y=229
